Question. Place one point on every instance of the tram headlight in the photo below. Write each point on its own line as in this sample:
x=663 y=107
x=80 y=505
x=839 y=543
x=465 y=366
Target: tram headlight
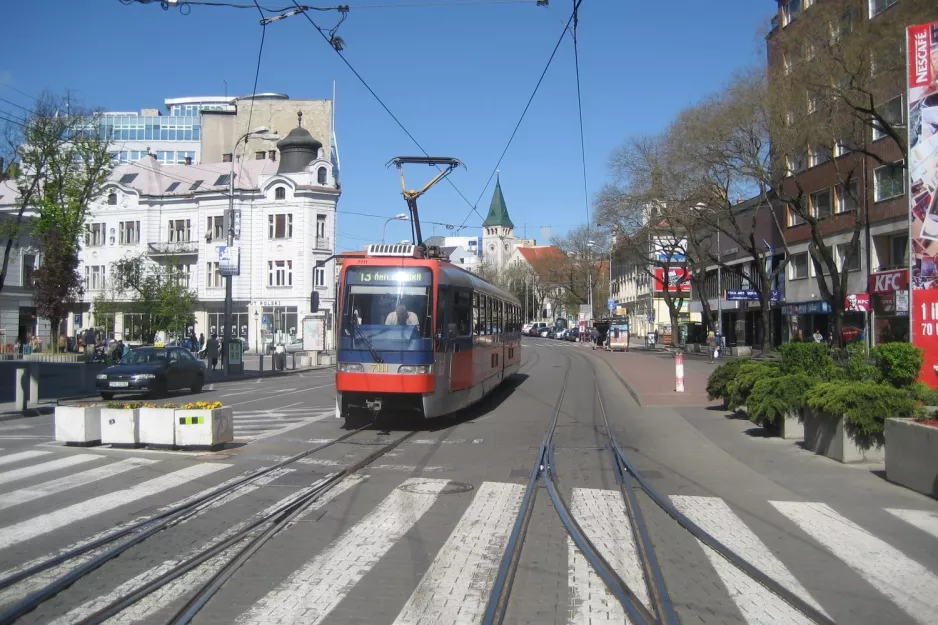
x=415 y=369
x=351 y=367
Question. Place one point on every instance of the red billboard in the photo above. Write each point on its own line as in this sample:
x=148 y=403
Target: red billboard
x=678 y=280
x=922 y=48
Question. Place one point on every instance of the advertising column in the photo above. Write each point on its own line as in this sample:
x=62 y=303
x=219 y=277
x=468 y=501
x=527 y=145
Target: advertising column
x=922 y=47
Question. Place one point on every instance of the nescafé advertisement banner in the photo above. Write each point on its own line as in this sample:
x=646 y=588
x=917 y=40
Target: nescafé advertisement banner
x=922 y=46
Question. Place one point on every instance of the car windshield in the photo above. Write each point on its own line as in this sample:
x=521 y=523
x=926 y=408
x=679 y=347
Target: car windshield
x=393 y=316
x=144 y=356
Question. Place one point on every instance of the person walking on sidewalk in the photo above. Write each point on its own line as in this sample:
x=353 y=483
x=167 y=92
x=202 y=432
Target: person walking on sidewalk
x=594 y=336
x=712 y=345
x=211 y=351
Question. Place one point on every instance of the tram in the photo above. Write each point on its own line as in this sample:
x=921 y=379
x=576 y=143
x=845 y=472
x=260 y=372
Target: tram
x=420 y=336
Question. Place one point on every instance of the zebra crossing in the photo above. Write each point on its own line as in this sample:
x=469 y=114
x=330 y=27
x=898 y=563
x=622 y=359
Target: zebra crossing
x=458 y=578
x=252 y=425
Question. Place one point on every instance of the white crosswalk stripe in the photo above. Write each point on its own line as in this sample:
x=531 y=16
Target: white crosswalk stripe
x=906 y=582
x=250 y=425
x=21 y=456
x=47 y=467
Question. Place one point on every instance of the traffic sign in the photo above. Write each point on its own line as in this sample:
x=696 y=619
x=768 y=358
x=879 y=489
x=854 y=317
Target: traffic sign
x=611 y=304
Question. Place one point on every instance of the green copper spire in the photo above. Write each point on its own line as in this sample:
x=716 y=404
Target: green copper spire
x=498 y=212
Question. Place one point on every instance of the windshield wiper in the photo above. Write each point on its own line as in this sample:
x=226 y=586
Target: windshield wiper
x=368 y=344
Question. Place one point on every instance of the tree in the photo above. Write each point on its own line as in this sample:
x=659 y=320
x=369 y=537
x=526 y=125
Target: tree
x=57 y=282
x=584 y=263
x=62 y=163
x=159 y=293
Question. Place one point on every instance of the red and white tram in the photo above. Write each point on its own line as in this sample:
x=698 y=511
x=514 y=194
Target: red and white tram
x=419 y=335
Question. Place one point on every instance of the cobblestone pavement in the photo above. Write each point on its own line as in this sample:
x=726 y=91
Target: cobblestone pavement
x=417 y=537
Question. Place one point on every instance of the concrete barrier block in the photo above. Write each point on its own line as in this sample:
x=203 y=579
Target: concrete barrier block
x=204 y=429
x=158 y=427
x=120 y=427
x=78 y=425
x=912 y=455
x=826 y=435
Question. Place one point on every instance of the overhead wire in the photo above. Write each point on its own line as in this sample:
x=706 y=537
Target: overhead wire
x=257 y=73
x=579 y=104
x=234 y=5
x=525 y=111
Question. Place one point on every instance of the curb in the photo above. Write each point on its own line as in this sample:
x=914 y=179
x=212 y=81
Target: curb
x=31 y=412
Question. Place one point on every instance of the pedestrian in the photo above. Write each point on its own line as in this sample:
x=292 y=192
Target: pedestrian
x=594 y=336
x=712 y=345
x=211 y=351
x=201 y=344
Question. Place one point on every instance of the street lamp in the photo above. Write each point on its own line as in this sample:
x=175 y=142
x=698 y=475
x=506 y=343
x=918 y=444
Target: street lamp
x=257 y=333
x=589 y=275
x=261 y=132
x=399 y=216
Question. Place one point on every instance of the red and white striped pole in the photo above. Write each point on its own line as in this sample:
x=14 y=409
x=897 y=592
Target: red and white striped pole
x=679 y=371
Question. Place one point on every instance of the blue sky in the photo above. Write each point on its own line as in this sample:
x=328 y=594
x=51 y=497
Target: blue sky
x=456 y=76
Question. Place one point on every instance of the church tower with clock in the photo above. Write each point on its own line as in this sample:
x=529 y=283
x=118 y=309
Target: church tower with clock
x=497 y=233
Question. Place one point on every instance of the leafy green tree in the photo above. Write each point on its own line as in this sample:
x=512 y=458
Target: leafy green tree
x=57 y=282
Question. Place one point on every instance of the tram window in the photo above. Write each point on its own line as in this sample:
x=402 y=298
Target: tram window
x=462 y=313
x=441 y=297
x=476 y=314
x=499 y=318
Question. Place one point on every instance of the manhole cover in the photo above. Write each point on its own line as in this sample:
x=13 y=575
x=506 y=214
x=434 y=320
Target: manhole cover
x=421 y=488
x=520 y=473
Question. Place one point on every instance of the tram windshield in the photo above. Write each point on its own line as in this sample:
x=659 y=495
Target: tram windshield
x=390 y=316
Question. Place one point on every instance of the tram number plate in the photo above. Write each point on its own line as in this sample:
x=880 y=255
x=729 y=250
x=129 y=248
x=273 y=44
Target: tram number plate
x=379 y=367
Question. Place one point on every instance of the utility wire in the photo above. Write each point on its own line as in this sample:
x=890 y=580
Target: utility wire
x=524 y=112
x=330 y=39
x=257 y=73
x=579 y=105
x=12 y=88
x=234 y=5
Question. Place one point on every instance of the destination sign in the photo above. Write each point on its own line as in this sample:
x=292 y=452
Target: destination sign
x=368 y=275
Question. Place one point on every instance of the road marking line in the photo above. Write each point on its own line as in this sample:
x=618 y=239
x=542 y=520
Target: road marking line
x=7 y=428
x=23 y=455
x=455 y=588
x=389 y=467
x=52 y=487
x=756 y=604
x=46 y=467
x=906 y=582
x=314 y=590
x=455 y=441
x=302 y=390
x=922 y=519
x=163 y=597
x=43 y=524
x=294 y=426
x=590 y=600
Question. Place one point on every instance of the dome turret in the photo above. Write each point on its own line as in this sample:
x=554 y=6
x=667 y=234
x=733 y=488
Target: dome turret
x=298 y=149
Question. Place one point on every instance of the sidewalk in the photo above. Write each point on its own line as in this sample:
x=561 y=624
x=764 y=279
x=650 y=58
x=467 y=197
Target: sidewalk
x=649 y=374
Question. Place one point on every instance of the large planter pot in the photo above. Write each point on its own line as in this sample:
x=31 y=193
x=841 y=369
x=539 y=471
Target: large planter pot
x=827 y=435
x=912 y=455
x=792 y=427
x=204 y=429
x=78 y=425
x=158 y=427
x=120 y=427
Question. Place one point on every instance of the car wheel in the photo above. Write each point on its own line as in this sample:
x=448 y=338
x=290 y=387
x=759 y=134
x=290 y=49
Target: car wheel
x=107 y=396
x=199 y=383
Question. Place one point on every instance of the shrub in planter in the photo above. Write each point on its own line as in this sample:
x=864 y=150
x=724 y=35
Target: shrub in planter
x=719 y=380
x=746 y=377
x=864 y=406
x=898 y=363
x=811 y=359
x=773 y=399
x=857 y=366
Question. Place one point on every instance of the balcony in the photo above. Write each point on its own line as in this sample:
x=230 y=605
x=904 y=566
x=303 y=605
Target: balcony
x=173 y=248
x=322 y=243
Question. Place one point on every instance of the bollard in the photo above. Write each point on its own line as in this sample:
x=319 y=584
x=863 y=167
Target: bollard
x=679 y=371
x=27 y=387
x=261 y=363
x=294 y=360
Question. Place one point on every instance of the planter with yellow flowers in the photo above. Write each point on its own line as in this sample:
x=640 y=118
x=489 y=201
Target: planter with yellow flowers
x=79 y=424
x=204 y=425
x=158 y=425
x=120 y=424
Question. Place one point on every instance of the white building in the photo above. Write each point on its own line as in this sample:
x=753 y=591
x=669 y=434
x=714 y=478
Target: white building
x=285 y=222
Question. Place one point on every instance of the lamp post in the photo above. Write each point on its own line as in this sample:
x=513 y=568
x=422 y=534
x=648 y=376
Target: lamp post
x=257 y=332
x=399 y=217
x=260 y=132
x=589 y=276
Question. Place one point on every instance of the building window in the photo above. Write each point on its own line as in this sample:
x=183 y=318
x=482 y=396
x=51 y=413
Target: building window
x=112 y=199
x=790 y=10
x=95 y=277
x=794 y=219
x=280 y=193
x=226 y=158
x=847 y=199
x=319 y=277
x=844 y=146
x=29 y=271
x=899 y=250
x=854 y=262
x=892 y=113
x=179 y=274
x=280 y=226
x=213 y=276
x=272 y=155
x=878 y=6
x=321 y=175
x=280 y=273
x=796 y=163
x=821 y=204
x=320 y=226
x=819 y=155
x=215 y=227
x=262 y=155
x=129 y=232
x=888 y=182
x=95 y=234
x=180 y=230
x=798 y=266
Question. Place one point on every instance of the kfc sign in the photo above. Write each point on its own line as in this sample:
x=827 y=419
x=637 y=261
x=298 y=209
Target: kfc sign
x=889 y=281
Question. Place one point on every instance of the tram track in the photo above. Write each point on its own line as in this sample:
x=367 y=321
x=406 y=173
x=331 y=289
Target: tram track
x=257 y=531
